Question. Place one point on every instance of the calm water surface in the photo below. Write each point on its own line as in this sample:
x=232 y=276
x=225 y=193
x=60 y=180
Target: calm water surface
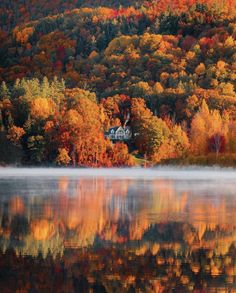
x=126 y=230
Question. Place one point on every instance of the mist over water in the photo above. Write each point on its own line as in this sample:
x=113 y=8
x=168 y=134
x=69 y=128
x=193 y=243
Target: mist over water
x=186 y=173
x=195 y=179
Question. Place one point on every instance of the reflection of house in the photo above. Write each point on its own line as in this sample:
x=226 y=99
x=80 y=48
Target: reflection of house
x=119 y=133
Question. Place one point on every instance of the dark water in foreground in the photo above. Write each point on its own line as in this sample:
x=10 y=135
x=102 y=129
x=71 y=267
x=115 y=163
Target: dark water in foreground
x=117 y=230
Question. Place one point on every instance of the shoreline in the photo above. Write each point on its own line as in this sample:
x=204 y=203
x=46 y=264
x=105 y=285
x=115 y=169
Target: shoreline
x=177 y=164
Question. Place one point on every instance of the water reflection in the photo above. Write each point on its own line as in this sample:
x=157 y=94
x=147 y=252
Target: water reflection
x=103 y=234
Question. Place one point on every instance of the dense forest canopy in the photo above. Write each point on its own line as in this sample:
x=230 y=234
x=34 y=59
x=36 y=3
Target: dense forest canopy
x=18 y=12
x=70 y=70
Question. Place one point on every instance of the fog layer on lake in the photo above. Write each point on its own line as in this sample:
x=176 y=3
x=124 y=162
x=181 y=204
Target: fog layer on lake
x=187 y=173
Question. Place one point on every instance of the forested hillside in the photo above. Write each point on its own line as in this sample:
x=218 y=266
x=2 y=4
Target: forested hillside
x=69 y=74
x=17 y=12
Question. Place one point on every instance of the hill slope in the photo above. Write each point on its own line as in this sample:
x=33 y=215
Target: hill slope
x=166 y=68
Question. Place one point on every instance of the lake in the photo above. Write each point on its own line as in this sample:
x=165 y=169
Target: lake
x=118 y=230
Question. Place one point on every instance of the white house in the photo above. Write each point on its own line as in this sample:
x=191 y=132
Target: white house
x=119 y=133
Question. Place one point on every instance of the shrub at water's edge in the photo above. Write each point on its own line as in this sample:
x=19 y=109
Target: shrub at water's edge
x=223 y=160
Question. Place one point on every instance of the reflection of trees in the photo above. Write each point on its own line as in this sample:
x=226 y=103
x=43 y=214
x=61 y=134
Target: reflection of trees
x=119 y=236
x=86 y=211
x=53 y=246
x=147 y=269
x=96 y=210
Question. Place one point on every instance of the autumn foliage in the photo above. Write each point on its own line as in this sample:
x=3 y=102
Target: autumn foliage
x=167 y=69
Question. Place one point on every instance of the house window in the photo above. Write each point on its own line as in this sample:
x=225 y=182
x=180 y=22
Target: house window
x=112 y=135
x=120 y=135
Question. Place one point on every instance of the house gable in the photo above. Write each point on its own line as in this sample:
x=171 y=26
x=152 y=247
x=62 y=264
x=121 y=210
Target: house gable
x=119 y=133
x=120 y=130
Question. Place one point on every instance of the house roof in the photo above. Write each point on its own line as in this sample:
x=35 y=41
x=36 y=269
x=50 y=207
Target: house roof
x=113 y=130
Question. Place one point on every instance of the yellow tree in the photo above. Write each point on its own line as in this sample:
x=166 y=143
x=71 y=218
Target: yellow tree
x=42 y=108
x=158 y=88
x=218 y=132
x=70 y=128
x=150 y=132
x=175 y=146
x=63 y=157
x=15 y=134
x=199 y=130
x=209 y=131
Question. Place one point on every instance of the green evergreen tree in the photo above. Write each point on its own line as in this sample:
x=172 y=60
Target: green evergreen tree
x=31 y=88
x=7 y=119
x=45 y=88
x=4 y=91
x=36 y=148
x=17 y=89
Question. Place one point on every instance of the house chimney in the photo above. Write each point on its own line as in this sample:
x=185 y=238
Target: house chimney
x=127 y=119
